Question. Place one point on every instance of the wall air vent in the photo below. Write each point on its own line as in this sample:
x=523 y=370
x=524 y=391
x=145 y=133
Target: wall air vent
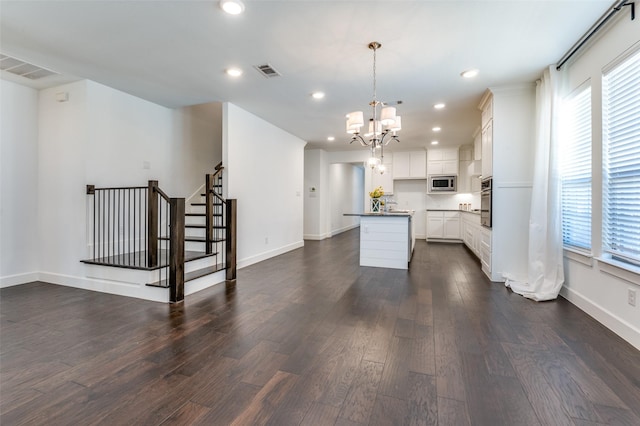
x=267 y=70
x=23 y=69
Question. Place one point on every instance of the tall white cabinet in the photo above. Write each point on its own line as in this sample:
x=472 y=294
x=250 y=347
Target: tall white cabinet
x=507 y=156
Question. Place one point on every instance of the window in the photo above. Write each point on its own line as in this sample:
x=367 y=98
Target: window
x=621 y=160
x=575 y=169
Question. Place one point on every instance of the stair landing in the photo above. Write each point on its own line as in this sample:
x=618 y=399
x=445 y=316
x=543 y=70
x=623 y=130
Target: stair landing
x=138 y=260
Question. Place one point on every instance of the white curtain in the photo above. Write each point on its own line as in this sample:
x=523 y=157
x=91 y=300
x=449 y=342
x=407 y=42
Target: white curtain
x=545 y=271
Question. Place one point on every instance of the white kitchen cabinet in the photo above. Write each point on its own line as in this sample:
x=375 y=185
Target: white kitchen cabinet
x=451 y=225
x=418 y=166
x=471 y=231
x=464 y=178
x=443 y=161
x=487 y=110
x=435 y=225
x=385 y=180
x=410 y=165
x=443 y=225
x=485 y=250
x=487 y=150
x=477 y=145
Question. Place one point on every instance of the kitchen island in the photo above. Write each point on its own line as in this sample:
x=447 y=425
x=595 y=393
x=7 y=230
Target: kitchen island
x=386 y=239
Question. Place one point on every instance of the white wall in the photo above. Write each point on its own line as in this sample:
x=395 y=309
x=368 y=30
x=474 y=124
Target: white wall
x=18 y=184
x=346 y=186
x=196 y=145
x=265 y=168
x=598 y=293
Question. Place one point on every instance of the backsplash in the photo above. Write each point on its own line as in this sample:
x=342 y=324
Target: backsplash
x=452 y=202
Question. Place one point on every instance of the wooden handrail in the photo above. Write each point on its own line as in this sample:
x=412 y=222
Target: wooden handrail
x=162 y=193
x=91 y=189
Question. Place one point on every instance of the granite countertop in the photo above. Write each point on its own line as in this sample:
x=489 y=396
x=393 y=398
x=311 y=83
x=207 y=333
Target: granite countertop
x=475 y=211
x=389 y=214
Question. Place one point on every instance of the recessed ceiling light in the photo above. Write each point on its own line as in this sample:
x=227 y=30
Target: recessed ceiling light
x=436 y=129
x=331 y=138
x=469 y=73
x=317 y=95
x=434 y=142
x=234 y=72
x=439 y=106
x=232 y=7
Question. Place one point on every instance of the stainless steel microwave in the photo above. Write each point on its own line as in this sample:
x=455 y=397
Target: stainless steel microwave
x=442 y=183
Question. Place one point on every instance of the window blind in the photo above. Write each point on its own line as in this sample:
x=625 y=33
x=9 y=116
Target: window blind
x=621 y=160
x=575 y=170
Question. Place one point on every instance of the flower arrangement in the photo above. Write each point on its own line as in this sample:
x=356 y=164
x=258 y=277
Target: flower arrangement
x=377 y=193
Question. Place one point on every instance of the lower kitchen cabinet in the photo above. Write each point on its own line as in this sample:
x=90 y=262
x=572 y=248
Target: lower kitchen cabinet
x=471 y=232
x=443 y=225
x=485 y=251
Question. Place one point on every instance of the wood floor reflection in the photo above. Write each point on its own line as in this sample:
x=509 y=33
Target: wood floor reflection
x=311 y=338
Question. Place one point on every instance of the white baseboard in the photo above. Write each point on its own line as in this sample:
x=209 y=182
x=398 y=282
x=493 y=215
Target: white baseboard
x=316 y=237
x=11 y=280
x=627 y=331
x=344 y=229
x=139 y=291
x=269 y=254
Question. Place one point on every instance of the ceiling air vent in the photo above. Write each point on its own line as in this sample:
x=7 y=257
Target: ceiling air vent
x=23 y=69
x=267 y=70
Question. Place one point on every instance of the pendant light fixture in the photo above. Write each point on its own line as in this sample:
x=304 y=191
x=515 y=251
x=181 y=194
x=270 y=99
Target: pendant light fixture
x=381 y=130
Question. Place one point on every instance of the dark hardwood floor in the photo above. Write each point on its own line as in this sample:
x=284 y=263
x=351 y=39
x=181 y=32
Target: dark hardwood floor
x=312 y=338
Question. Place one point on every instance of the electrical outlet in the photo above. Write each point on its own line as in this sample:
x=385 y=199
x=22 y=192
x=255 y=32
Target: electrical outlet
x=631 y=297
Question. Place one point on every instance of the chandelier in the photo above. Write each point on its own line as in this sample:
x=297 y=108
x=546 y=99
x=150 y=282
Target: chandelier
x=381 y=130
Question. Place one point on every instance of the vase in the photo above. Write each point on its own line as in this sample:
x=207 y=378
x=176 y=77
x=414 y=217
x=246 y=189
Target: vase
x=375 y=205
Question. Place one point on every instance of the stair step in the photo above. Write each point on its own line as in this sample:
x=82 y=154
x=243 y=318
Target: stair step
x=190 y=276
x=196 y=239
x=204 y=226
x=202 y=214
x=204 y=204
x=138 y=261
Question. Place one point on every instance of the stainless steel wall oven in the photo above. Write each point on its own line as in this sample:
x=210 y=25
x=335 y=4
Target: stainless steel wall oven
x=486 y=201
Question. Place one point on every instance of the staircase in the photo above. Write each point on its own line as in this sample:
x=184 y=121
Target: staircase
x=141 y=228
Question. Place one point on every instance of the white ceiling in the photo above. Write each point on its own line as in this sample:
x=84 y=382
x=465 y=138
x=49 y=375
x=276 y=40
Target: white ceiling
x=174 y=53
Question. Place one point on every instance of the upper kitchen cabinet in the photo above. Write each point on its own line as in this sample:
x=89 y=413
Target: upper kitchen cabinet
x=410 y=165
x=477 y=144
x=469 y=173
x=442 y=161
x=486 y=134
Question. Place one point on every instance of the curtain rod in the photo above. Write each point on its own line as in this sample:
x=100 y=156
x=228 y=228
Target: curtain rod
x=615 y=8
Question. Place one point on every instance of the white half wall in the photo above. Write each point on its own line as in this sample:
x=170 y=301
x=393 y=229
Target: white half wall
x=18 y=184
x=601 y=294
x=265 y=168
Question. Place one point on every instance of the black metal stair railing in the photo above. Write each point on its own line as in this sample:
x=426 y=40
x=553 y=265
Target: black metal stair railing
x=138 y=228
